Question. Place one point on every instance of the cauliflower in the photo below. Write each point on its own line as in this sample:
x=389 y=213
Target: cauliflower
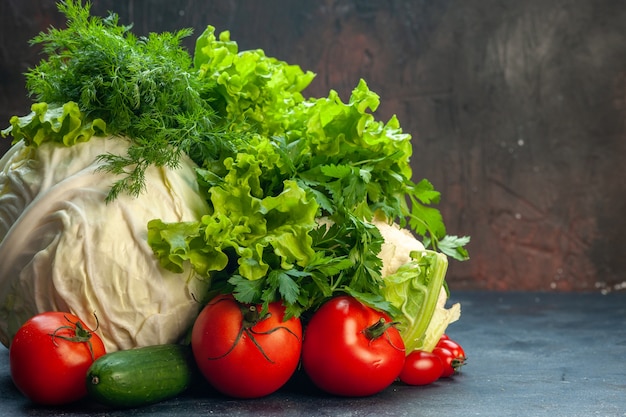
x=63 y=248
x=397 y=246
x=418 y=292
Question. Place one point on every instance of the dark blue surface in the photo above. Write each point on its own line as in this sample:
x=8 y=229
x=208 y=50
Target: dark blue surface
x=529 y=354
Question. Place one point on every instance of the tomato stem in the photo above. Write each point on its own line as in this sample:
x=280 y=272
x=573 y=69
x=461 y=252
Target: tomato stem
x=379 y=328
x=458 y=362
x=251 y=316
x=81 y=334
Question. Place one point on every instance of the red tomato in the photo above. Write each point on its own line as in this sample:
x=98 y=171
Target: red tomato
x=351 y=349
x=242 y=353
x=451 y=363
x=454 y=347
x=421 y=368
x=49 y=357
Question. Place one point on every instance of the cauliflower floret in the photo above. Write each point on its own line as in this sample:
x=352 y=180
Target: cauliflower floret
x=397 y=247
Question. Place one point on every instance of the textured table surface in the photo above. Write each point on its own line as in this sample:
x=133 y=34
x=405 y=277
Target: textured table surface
x=530 y=354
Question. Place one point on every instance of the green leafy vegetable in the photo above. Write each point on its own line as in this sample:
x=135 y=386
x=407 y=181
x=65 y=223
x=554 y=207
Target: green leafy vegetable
x=254 y=91
x=414 y=291
x=454 y=246
x=270 y=162
x=63 y=124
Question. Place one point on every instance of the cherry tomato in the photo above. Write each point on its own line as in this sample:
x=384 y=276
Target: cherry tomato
x=451 y=363
x=49 y=357
x=444 y=337
x=454 y=347
x=243 y=353
x=421 y=368
x=351 y=349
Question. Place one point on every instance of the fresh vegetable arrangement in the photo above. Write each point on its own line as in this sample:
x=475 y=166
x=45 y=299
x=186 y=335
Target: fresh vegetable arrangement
x=203 y=201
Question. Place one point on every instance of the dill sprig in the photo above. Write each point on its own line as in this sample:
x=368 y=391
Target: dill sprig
x=145 y=88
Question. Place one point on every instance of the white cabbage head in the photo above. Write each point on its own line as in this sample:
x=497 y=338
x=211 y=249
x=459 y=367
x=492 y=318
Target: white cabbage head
x=62 y=248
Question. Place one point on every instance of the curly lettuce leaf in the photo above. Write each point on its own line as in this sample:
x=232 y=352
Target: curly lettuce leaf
x=174 y=244
x=251 y=229
x=351 y=160
x=65 y=124
x=256 y=90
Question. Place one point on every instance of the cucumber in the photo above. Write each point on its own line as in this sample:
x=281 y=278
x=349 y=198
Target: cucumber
x=140 y=376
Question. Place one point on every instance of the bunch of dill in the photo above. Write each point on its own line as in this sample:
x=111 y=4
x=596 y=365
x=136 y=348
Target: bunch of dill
x=145 y=88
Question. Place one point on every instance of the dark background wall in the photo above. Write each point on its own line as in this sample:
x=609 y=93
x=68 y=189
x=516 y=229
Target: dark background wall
x=517 y=110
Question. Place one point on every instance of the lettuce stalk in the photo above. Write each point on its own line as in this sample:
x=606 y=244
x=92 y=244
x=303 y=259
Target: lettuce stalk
x=414 y=290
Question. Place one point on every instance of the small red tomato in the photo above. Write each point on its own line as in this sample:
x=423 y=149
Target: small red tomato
x=350 y=349
x=421 y=368
x=451 y=363
x=454 y=347
x=49 y=357
x=243 y=353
